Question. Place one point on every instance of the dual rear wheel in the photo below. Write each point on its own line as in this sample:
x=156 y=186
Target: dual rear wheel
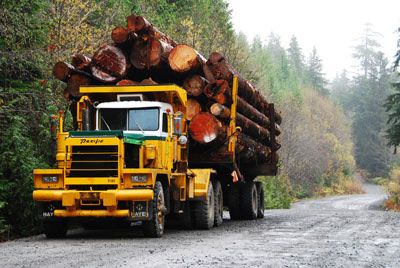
x=246 y=200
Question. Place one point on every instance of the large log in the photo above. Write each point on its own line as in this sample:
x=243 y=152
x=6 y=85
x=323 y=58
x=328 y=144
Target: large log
x=249 y=150
x=222 y=70
x=253 y=114
x=248 y=127
x=140 y=25
x=219 y=91
x=193 y=107
x=120 y=35
x=149 y=52
x=204 y=128
x=81 y=62
x=63 y=70
x=184 y=58
x=194 y=85
x=73 y=84
x=109 y=64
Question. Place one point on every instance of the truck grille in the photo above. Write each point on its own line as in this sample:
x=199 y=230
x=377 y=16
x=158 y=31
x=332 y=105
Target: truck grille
x=94 y=161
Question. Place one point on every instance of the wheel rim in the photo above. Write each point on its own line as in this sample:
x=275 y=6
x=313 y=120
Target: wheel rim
x=160 y=211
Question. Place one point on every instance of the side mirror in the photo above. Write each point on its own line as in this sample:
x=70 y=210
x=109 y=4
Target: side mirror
x=178 y=127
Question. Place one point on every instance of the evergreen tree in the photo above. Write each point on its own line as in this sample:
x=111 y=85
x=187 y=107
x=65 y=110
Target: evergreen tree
x=295 y=56
x=315 y=74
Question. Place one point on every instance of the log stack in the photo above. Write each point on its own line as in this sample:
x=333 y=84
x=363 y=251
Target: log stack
x=141 y=53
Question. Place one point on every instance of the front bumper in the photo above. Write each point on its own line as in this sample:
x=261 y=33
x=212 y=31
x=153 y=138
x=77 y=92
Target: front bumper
x=72 y=202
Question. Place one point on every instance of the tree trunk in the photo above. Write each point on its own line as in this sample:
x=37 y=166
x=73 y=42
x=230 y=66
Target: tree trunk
x=73 y=84
x=109 y=64
x=193 y=107
x=222 y=70
x=184 y=58
x=194 y=85
x=219 y=91
x=140 y=25
x=120 y=35
x=249 y=150
x=62 y=70
x=253 y=114
x=81 y=62
x=248 y=127
x=204 y=128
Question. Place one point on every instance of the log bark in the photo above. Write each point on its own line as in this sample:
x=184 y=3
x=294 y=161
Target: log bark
x=109 y=64
x=219 y=91
x=222 y=70
x=184 y=58
x=81 y=62
x=194 y=85
x=120 y=35
x=204 y=128
x=63 y=70
x=73 y=84
x=249 y=150
x=248 y=127
x=140 y=25
x=193 y=108
x=253 y=114
x=149 y=52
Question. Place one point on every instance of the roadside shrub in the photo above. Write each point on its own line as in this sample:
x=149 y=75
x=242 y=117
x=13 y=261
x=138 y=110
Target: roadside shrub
x=276 y=192
x=393 y=187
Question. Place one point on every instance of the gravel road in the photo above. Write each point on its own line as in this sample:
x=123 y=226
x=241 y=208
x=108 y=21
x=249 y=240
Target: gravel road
x=343 y=231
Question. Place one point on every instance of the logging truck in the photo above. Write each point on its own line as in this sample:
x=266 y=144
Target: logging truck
x=131 y=159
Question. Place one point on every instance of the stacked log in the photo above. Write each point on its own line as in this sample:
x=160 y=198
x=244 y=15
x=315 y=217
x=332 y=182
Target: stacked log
x=142 y=55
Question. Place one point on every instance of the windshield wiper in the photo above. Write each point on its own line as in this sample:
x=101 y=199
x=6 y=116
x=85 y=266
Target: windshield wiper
x=102 y=118
x=137 y=124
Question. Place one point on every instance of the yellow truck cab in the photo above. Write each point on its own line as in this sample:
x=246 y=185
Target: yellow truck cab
x=127 y=160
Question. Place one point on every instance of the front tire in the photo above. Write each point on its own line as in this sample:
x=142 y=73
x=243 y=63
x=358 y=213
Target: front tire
x=204 y=210
x=155 y=226
x=55 y=228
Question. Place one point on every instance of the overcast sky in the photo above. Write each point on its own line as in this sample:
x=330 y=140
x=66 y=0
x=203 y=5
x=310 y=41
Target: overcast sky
x=332 y=26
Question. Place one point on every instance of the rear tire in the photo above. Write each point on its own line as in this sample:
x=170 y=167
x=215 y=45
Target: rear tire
x=155 y=226
x=204 y=211
x=234 y=201
x=261 y=204
x=55 y=228
x=218 y=203
x=249 y=201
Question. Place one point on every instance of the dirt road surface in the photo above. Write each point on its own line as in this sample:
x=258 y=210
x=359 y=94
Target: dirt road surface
x=343 y=231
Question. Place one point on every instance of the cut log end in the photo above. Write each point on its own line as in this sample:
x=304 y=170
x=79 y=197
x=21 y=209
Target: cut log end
x=62 y=70
x=81 y=62
x=109 y=63
x=119 y=35
x=195 y=85
x=73 y=84
x=192 y=109
x=183 y=58
x=137 y=23
x=205 y=128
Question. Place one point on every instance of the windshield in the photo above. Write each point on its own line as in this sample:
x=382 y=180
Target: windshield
x=144 y=119
x=112 y=119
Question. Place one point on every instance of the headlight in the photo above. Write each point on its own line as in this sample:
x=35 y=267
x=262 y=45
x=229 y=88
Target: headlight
x=49 y=179
x=139 y=178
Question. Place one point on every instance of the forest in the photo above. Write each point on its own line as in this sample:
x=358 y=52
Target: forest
x=330 y=129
